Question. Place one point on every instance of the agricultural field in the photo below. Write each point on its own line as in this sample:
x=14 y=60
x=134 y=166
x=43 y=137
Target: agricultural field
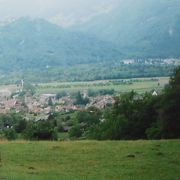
x=139 y=85
x=46 y=160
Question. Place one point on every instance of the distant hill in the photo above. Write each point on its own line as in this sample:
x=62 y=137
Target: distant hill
x=40 y=51
x=140 y=28
x=38 y=44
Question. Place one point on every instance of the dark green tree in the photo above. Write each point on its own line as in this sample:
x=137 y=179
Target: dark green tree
x=50 y=102
x=75 y=131
x=10 y=133
x=169 y=107
x=41 y=130
x=20 y=126
x=80 y=100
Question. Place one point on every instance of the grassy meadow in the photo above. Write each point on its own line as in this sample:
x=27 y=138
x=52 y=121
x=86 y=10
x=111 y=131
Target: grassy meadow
x=141 y=160
x=139 y=85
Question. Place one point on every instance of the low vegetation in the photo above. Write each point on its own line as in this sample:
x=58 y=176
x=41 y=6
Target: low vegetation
x=90 y=160
x=111 y=87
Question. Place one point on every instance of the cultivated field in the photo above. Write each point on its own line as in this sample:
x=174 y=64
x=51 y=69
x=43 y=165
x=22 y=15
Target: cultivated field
x=139 y=85
x=141 y=160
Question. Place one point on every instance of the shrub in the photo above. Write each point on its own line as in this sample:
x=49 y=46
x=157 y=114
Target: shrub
x=42 y=130
x=10 y=134
x=75 y=131
x=21 y=125
x=153 y=133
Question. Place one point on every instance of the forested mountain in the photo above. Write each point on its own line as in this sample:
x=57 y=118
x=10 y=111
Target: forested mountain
x=38 y=44
x=94 y=48
x=143 y=28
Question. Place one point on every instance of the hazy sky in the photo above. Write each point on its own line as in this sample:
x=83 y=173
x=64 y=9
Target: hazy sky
x=64 y=12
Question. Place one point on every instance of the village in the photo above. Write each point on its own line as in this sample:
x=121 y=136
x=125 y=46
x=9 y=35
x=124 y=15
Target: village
x=24 y=101
x=149 y=61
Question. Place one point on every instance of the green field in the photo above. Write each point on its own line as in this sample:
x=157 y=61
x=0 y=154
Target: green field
x=139 y=85
x=141 y=160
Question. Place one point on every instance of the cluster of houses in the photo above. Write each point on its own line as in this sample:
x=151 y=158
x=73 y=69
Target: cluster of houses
x=168 y=61
x=7 y=105
x=46 y=103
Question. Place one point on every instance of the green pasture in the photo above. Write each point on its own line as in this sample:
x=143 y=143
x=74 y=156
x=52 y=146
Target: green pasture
x=76 y=160
x=139 y=85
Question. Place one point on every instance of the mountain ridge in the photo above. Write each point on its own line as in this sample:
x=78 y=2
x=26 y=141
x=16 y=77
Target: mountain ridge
x=140 y=29
x=148 y=30
x=28 y=42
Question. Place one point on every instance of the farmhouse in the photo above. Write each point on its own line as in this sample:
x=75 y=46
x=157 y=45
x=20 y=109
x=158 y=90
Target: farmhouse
x=154 y=93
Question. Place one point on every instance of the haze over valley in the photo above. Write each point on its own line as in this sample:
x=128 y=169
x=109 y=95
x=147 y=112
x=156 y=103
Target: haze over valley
x=97 y=34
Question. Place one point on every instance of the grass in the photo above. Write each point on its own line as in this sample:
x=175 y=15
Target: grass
x=63 y=136
x=142 y=160
x=139 y=85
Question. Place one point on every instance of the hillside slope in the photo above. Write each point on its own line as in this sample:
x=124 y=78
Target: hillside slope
x=140 y=28
x=37 y=44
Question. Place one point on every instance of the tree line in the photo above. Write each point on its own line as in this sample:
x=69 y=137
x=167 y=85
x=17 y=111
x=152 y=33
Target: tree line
x=133 y=116
x=143 y=117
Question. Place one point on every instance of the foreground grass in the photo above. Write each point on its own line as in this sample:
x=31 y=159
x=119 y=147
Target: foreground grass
x=90 y=160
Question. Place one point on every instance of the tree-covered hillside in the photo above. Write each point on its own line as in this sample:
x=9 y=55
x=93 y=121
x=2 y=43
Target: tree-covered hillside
x=38 y=50
x=37 y=44
x=140 y=28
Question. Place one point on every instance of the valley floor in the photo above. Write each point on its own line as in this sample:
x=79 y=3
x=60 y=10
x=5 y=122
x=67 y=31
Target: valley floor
x=146 y=160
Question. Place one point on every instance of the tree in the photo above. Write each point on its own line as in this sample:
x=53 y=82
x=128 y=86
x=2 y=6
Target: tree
x=28 y=87
x=20 y=126
x=61 y=94
x=169 y=108
x=50 y=102
x=129 y=118
x=42 y=130
x=85 y=120
x=75 y=131
x=10 y=133
x=80 y=100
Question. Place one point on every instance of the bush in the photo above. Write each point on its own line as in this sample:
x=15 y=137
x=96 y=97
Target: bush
x=61 y=94
x=75 y=131
x=42 y=130
x=80 y=100
x=10 y=134
x=21 y=125
x=153 y=133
